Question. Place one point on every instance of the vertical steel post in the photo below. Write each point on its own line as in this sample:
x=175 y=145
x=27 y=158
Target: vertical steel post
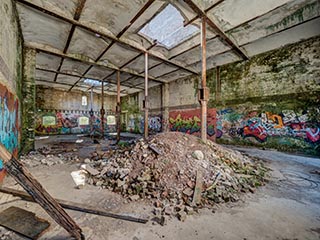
x=203 y=98
x=102 y=111
x=91 y=111
x=118 y=106
x=146 y=103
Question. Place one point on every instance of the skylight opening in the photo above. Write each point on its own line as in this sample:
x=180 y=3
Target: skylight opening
x=93 y=83
x=167 y=28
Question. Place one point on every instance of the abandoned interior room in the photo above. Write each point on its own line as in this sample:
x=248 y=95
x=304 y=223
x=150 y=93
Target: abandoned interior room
x=160 y=119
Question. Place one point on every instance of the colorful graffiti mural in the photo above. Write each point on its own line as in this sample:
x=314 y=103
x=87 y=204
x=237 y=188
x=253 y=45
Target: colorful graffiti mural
x=9 y=120
x=261 y=126
x=136 y=123
x=9 y=124
x=71 y=122
x=188 y=121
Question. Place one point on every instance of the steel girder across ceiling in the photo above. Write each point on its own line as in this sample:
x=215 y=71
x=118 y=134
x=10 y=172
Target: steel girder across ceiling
x=93 y=39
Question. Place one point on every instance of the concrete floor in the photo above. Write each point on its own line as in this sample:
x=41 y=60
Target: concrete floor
x=287 y=208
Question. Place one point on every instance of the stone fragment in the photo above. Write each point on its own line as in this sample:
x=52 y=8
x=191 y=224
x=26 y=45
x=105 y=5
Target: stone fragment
x=188 y=192
x=87 y=160
x=134 y=197
x=198 y=155
x=182 y=216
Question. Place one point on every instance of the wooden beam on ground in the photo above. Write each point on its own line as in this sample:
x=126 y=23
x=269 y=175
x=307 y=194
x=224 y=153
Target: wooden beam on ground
x=217 y=29
x=107 y=34
x=17 y=170
x=75 y=206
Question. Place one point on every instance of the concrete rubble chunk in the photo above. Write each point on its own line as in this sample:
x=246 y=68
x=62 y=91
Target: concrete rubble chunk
x=198 y=155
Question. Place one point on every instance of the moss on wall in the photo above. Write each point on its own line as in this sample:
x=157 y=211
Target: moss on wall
x=29 y=101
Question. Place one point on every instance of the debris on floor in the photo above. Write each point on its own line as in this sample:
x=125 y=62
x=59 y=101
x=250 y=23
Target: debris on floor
x=46 y=157
x=23 y=222
x=178 y=172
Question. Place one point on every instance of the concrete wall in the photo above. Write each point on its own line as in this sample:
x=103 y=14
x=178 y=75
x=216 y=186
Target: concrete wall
x=10 y=76
x=62 y=112
x=272 y=100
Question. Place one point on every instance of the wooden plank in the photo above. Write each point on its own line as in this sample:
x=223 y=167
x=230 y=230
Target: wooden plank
x=23 y=222
x=75 y=206
x=17 y=170
x=197 y=189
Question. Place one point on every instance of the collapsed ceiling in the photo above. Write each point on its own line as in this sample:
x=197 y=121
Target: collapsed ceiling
x=93 y=39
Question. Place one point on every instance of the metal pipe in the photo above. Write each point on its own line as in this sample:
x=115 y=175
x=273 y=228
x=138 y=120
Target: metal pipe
x=203 y=101
x=102 y=111
x=118 y=106
x=146 y=103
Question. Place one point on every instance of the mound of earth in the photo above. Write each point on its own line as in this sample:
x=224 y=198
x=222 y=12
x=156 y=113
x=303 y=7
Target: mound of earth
x=178 y=171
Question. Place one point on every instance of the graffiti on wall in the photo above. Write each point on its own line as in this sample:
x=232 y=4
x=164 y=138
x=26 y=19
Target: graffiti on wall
x=71 y=122
x=188 y=121
x=136 y=123
x=9 y=120
x=261 y=126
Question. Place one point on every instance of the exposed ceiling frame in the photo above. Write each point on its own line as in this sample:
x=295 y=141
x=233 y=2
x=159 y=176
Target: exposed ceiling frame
x=132 y=21
x=59 y=83
x=231 y=29
x=57 y=52
x=210 y=39
x=130 y=61
x=186 y=23
x=78 y=75
x=77 y=14
x=110 y=36
x=217 y=29
x=250 y=42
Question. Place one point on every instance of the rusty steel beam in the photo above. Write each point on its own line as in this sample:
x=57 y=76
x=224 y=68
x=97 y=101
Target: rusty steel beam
x=80 y=76
x=77 y=14
x=110 y=36
x=56 y=52
x=66 y=84
x=217 y=29
x=206 y=11
x=230 y=30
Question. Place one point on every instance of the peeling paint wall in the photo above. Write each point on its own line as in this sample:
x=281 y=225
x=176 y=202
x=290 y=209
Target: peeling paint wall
x=10 y=77
x=62 y=112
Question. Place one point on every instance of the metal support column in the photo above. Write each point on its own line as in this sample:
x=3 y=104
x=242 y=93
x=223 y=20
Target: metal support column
x=91 y=112
x=118 y=107
x=146 y=102
x=102 y=111
x=204 y=92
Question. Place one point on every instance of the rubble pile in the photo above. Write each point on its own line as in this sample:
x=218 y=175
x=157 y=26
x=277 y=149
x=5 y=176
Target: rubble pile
x=45 y=157
x=178 y=172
